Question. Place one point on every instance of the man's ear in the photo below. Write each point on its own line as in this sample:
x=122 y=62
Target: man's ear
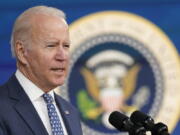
x=20 y=52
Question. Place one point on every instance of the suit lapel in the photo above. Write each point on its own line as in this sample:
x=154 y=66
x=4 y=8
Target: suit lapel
x=66 y=115
x=25 y=108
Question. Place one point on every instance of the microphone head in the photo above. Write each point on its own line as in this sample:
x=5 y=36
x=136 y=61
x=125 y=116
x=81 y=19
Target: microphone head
x=142 y=119
x=119 y=120
x=138 y=117
x=160 y=129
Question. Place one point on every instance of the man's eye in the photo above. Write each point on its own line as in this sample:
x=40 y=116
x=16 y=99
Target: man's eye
x=66 y=45
x=51 y=45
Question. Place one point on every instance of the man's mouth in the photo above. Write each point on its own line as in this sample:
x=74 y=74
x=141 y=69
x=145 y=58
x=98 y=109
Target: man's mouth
x=58 y=69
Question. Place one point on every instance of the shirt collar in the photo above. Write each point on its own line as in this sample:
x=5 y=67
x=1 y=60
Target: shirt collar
x=33 y=91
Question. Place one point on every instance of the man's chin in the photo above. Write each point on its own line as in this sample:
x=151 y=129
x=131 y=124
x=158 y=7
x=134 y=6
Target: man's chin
x=59 y=82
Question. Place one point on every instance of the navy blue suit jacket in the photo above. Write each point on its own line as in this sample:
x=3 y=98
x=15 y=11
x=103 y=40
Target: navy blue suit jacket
x=19 y=117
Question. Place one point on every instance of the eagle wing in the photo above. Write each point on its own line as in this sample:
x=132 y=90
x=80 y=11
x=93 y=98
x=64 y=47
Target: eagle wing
x=129 y=81
x=91 y=83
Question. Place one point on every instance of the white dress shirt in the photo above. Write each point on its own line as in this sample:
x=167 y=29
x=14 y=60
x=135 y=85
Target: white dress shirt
x=35 y=95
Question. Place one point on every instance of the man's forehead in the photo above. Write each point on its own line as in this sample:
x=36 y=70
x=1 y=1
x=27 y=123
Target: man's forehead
x=40 y=16
x=48 y=27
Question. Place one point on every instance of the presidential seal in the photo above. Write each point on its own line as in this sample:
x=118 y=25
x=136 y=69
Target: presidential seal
x=121 y=62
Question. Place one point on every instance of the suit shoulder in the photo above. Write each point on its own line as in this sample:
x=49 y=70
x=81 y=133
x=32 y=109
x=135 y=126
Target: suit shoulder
x=3 y=90
x=4 y=100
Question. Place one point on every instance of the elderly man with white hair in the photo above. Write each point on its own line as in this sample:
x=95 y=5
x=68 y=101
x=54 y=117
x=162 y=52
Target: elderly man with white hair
x=28 y=105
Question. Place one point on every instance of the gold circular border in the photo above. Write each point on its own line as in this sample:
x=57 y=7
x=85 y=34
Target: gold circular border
x=152 y=37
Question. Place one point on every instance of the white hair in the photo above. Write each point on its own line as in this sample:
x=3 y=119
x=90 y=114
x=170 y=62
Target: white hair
x=22 y=25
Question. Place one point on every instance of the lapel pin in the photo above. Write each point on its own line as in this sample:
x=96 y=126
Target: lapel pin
x=66 y=112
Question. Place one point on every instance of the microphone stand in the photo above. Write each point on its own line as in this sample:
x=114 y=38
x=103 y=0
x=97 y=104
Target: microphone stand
x=134 y=129
x=138 y=131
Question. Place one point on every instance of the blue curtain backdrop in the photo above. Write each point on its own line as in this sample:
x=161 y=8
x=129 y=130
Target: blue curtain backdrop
x=163 y=13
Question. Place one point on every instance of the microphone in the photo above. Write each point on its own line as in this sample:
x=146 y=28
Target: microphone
x=142 y=119
x=123 y=123
x=160 y=129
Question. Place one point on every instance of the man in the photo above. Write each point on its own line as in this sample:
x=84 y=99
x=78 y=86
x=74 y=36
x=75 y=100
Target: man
x=28 y=106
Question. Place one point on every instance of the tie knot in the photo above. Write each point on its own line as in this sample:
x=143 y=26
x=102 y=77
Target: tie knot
x=48 y=98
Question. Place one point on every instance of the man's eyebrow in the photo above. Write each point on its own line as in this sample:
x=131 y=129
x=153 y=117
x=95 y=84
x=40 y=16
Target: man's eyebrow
x=51 y=41
x=56 y=41
x=67 y=42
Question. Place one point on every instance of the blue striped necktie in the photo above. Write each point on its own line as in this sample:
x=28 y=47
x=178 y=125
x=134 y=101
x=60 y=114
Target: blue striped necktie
x=53 y=116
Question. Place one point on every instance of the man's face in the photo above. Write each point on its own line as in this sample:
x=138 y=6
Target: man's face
x=48 y=54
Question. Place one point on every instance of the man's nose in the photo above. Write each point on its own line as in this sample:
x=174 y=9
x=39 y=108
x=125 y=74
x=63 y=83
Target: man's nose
x=61 y=54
